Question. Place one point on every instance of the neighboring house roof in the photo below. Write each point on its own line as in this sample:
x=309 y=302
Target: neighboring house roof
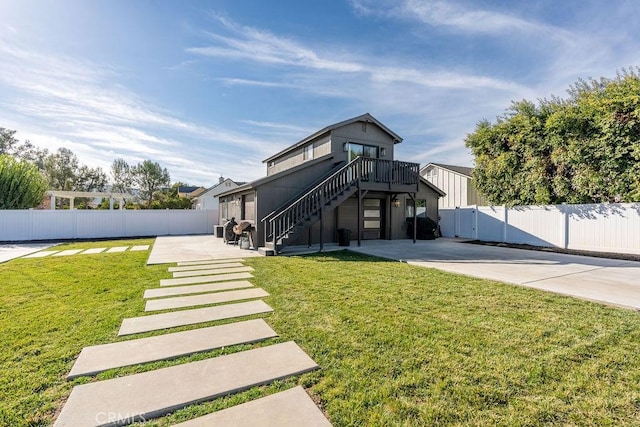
x=197 y=192
x=218 y=188
x=362 y=118
x=186 y=189
x=462 y=170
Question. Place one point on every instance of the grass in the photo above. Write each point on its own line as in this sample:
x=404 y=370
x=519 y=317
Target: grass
x=398 y=345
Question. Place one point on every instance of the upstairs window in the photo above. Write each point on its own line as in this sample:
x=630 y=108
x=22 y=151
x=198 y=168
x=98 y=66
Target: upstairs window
x=307 y=154
x=362 y=150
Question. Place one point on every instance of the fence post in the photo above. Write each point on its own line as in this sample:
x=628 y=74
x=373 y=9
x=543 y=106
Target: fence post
x=475 y=222
x=505 y=224
x=565 y=229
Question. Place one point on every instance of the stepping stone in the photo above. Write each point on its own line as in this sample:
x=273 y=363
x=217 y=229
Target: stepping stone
x=156 y=393
x=290 y=408
x=98 y=358
x=116 y=249
x=68 y=252
x=204 y=299
x=205 y=266
x=93 y=251
x=40 y=254
x=154 y=322
x=210 y=261
x=212 y=271
x=139 y=248
x=196 y=289
x=204 y=279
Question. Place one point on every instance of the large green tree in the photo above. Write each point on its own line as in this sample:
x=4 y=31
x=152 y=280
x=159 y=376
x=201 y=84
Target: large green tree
x=151 y=179
x=22 y=185
x=583 y=149
x=122 y=175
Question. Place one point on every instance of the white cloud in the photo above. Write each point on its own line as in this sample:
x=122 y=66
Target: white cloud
x=60 y=101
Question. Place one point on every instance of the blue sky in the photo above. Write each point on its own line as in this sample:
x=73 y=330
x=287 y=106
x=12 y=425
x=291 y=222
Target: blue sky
x=210 y=88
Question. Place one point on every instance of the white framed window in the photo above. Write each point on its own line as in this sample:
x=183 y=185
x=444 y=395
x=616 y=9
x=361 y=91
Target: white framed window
x=307 y=154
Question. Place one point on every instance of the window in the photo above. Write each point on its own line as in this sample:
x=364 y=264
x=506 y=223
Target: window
x=422 y=208
x=307 y=154
x=356 y=150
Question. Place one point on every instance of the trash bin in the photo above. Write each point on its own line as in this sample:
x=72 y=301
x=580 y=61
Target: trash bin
x=218 y=230
x=344 y=237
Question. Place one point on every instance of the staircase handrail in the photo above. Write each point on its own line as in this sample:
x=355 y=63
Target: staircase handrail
x=301 y=194
x=278 y=225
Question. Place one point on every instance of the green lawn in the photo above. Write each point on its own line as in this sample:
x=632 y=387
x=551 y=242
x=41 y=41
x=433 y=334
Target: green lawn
x=397 y=344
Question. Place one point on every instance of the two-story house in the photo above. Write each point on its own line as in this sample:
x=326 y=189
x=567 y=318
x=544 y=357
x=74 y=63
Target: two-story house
x=343 y=176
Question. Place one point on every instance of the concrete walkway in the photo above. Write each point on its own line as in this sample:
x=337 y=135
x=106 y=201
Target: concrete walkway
x=98 y=358
x=289 y=408
x=609 y=281
x=155 y=393
x=154 y=322
x=11 y=251
x=204 y=299
x=172 y=249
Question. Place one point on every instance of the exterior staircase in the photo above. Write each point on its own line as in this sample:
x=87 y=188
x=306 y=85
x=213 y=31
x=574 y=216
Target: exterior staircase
x=283 y=226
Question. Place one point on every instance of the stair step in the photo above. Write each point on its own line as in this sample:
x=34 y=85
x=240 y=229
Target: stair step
x=154 y=322
x=290 y=408
x=204 y=299
x=152 y=394
x=204 y=279
x=212 y=271
x=98 y=358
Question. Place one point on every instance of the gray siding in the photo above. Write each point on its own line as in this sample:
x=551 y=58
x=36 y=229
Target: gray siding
x=321 y=147
x=355 y=133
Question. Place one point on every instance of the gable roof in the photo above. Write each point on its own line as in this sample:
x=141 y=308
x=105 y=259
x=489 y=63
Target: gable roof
x=362 y=118
x=218 y=186
x=462 y=170
x=187 y=188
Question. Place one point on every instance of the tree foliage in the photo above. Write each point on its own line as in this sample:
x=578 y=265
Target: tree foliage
x=151 y=179
x=583 y=149
x=122 y=175
x=22 y=185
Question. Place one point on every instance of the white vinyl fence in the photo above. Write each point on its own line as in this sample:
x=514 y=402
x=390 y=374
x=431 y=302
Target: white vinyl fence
x=24 y=225
x=596 y=227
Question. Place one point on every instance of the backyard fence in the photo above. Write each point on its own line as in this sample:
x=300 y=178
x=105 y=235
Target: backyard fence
x=596 y=227
x=24 y=225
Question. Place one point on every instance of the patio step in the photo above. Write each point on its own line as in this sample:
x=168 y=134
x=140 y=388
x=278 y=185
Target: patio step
x=195 y=289
x=154 y=322
x=152 y=394
x=204 y=299
x=98 y=358
x=290 y=408
x=212 y=271
x=205 y=279
x=205 y=266
x=267 y=250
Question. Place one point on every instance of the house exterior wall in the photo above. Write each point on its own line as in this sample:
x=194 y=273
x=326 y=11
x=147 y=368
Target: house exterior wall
x=321 y=147
x=333 y=143
x=459 y=188
x=209 y=200
x=370 y=134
